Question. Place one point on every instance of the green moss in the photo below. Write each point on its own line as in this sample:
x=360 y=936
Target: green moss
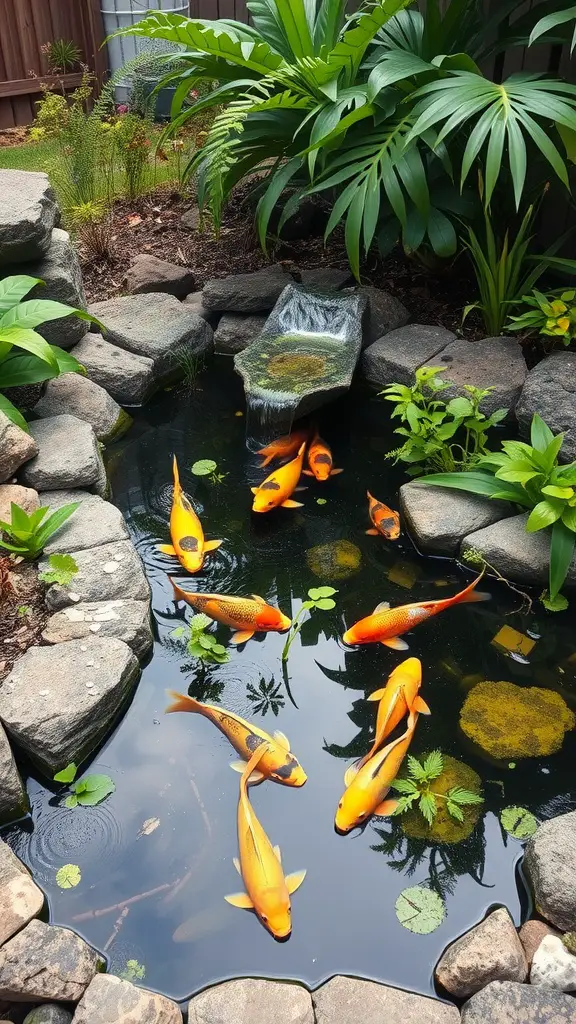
x=296 y=364
x=123 y=423
x=569 y=940
x=334 y=561
x=510 y=721
x=444 y=828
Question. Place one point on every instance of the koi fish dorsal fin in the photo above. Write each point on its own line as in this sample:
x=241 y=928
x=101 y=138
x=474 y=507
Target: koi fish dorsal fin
x=256 y=597
x=236 y=864
x=241 y=900
x=421 y=706
x=395 y=643
x=377 y=695
x=254 y=490
x=281 y=739
x=351 y=773
x=384 y=606
x=294 y=880
x=278 y=853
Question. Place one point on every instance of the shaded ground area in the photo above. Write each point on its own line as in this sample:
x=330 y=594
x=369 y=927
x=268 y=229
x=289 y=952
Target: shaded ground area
x=23 y=612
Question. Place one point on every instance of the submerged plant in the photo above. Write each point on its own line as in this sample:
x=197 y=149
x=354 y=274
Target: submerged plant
x=320 y=598
x=510 y=721
x=29 y=533
x=133 y=971
x=439 y=436
x=553 y=315
x=416 y=790
x=89 y=791
x=199 y=642
x=266 y=697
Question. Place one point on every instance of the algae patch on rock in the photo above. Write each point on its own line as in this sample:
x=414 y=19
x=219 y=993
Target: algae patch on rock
x=510 y=721
x=336 y=560
x=444 y=828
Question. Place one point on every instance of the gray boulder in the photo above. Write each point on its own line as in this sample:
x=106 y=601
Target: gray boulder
x=193 y=302
x=489 y=952
x=508 y=1002
x=50 y=1013
x=553 y=966
x=126 y=377
x=110 y=572
x=531 y=934
x=326 y=279
x=394 y=358
x=16 y=447
x=438 y=518
x=384 y=313
x=68 y=456
x=20 y=898
x=109 y=1000
x=13 y=798
x=62 y=276
x=236 y=331
x=252 y=1001
x=550 y=863
x=157 y=326
x=147 y=273
x=126 y=620
x=95 y=522
x=44 y=962
x=496 y=363
x=191 y=219
x=59 y=702
x=25 y=497
x=28 y=213
x=350 y=1000
x=521 y=557
x=81 y=397
x=550 y=390
x=245 y=293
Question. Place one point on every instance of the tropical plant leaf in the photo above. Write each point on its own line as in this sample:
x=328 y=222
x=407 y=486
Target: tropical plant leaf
x=552 y=21
x=13 y=414
x=562 y=545
x=14 y=289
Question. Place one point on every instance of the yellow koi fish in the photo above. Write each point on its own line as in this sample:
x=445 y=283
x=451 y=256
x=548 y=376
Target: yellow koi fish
x=188 y=543
x=283 y=448
x=279 y=486
x=268 y=890
x=248 y=614
x=367 y=789
x=398 y=698
x=277 y=763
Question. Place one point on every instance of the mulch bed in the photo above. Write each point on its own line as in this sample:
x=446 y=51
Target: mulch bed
x=23 y=611
x=153 y=225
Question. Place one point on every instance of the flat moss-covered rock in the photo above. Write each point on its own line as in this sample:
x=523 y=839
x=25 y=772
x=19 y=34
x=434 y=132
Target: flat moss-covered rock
x=336 y=560
x=515 y=721
x=445 y=828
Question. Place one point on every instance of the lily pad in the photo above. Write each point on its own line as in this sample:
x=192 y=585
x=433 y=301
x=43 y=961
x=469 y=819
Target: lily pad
x=518 y=822
x=420 y=910
x=93 y=789
x=204 y=467
x=68 y=876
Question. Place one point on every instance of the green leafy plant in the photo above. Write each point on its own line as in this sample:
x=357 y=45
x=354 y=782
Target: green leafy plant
x=266 y=697
x=420 y=910
x=25 y=357
x=416 y=788
x=23 y=611
x=132 y=139
x=553 y=315
x=87 y=792
x=209 y=469
x=530 y=476
x=431 y=425
x=133 y=971
x=553 y=21
x=199 y=642
x=62 y=55
x=387 y=112
x=68 y=876
x=320 y=599
x=518 y=822
x=63 y=569
x=28 y=534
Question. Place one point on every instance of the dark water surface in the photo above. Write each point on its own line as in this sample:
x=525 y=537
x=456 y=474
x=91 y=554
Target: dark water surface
x=175 y=768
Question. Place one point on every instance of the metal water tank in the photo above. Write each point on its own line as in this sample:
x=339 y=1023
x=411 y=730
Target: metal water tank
x=118 y=14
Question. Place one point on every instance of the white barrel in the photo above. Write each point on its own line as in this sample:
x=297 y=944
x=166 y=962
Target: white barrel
x=118 y=14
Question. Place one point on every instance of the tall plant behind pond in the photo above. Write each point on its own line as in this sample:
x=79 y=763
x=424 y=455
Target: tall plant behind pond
x=387 y=111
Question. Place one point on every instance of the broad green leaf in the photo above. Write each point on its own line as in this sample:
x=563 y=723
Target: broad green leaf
x=68 y=774
x=292 y=15
x=518 y=822
x=266 y=204
x=434 y=764
x=404 y=786
x=552 y=21
x=14 y=289
x=10 y=410
x=569 y=518
x=30 y=341
x=204 y=467
x=20 y=368
x=562 y=545
x=68 y=876
x=54 y=522
x=39 y=311
x=420 y=910
x=317 y=592
x=540 y=434
x=544 y=514
x=96 y=789
x=554 y=604
x=325 y=604
x=460 y=407
x=558 y=492
x=71 y=801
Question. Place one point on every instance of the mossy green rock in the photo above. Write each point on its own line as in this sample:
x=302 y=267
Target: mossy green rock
x=510 y=721
x=445 y=828
x=336 y=560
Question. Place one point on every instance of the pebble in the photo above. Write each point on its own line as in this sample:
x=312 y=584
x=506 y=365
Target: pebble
x=74 y=597
x=89 y=684
x=95 y=627
x=110 y=567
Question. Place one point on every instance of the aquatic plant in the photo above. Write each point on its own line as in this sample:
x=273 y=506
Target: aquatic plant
x=518 y=822
x=266 y=697
x=28 y=534
x=68 y=876
x=199 y=642
x=530 y=476
x=424 y=787
x=133 y=971
x=510 y=721
x=319 y=598
x=89 y=791
x=209 y=469
x=63 y=569
x=336 y=560
x=431 y=425
x=453 y=820
x=420 y=909
x=552 y=315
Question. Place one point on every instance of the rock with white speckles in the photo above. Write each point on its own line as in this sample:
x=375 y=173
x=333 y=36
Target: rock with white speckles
x=509 y=1002
x=126 y=620
x=16 y=447
x=92 y=583
x=81 y=397
x=45 y=962
x=28 y=213
x=252 y=1001
x=350 y=1001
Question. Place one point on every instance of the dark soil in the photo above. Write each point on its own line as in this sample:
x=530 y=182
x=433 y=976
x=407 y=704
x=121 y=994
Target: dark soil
x=14 y=136
x=23 y=611
x=152 y=225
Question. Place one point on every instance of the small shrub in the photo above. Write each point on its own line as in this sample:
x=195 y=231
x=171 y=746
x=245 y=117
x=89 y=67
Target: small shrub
x=28 y=534
x=552 y=315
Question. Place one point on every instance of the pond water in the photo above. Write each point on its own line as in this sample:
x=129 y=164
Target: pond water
x=168 y=835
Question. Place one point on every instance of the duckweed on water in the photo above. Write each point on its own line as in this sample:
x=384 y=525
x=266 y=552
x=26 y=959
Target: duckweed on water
x=445 y=828
x=515 y=721
x=334 y=561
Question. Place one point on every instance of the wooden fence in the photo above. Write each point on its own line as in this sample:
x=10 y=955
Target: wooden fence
x=25 y=26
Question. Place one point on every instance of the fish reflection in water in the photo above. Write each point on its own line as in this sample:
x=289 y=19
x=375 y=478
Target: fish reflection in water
x=204 y=923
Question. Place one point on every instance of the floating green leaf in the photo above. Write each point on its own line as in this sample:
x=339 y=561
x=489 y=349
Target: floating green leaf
x=518 y=822
x=204 y=467
x=559 y=603
x=321 y=501
x=93 y=789
x=317 y=593
x=68 y=774
x=420 y=910
x=68 y=876
x=133 y=971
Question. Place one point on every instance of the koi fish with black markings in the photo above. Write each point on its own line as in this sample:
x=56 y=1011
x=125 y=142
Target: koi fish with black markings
x=283 y=448
x=278 y=763
x=277 y=489
x=320 y=460
x=188 y=543
x=386 y=521
x=248 y=615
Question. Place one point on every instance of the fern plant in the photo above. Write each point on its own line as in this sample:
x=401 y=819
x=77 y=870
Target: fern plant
x=416 y=790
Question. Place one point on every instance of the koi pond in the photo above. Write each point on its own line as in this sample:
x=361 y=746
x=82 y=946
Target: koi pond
x=156 y=857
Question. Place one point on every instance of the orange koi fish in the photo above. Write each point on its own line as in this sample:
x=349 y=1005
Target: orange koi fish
x=398 y=698
x=277 y=488
x=386 y=520
x=248 y=615
x=386 y=624
x=188 y=544
x=268 y=890
x=277 y=762
x=283 y=448
x=366 y=789
x=320 y=460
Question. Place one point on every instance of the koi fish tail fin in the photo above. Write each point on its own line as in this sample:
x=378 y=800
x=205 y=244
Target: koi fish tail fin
x=181 y=702
x=476 y=595
x=176 y=473
x=179 y=594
